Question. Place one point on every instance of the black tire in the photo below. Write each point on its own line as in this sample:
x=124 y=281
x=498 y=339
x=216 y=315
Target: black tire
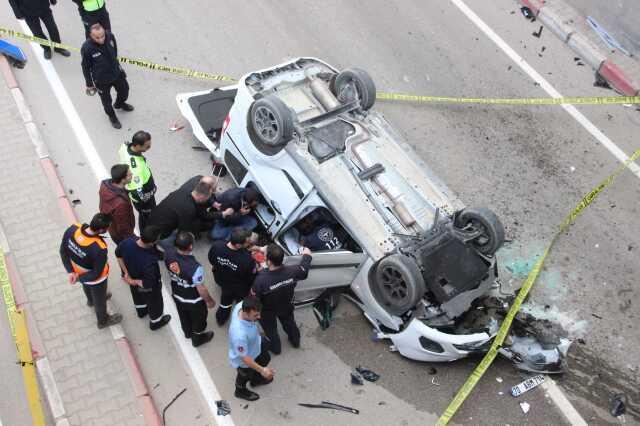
x=272 y=121
x=398 y=284
x=355 y=83
x=484 y=219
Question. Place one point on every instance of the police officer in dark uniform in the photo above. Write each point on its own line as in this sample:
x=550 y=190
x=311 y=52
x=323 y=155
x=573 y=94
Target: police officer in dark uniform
x=84 y=256
x=138 y=259
x=102 y=71
x=233 y=269
x=34 y=11
x=274 y=287
x=189 y=291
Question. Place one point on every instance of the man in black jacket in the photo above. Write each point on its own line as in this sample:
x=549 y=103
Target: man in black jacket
x=93 y=12
x=274 y=288
x=34 y=11
x=182 y=209
x=102 y=71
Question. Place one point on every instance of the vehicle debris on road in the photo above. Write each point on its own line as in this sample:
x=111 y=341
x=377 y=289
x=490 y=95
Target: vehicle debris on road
x=525 y=406
x=356 y=379
x=368 y=375
x=223 y=407
x=331 y=406
x=527 y=13
x=618 y=405
x=527 y=385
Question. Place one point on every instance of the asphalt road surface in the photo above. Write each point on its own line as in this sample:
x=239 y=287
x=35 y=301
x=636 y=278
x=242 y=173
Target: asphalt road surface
x=531 y=165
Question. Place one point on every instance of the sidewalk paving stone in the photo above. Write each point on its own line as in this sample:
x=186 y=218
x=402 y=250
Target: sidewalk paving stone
x=85 y=361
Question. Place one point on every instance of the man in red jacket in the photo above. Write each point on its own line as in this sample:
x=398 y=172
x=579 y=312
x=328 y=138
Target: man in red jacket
x=115 y=202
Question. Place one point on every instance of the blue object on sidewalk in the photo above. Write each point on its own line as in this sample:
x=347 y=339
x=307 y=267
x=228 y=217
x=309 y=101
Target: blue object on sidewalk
x=606 y=37
x=13 y=53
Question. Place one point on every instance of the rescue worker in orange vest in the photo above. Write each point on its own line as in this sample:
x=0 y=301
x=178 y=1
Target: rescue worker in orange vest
x=84 y=255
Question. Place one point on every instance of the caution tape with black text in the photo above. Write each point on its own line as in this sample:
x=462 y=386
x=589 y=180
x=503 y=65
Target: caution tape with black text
x=475 y=376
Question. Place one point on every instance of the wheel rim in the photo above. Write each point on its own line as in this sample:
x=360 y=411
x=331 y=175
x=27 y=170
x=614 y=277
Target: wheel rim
x=266 y=124
x=394 y=285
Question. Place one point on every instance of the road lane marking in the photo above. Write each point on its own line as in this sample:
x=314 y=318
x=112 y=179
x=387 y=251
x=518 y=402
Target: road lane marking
x=555 y=393
x=547 y=87
x=192 y=357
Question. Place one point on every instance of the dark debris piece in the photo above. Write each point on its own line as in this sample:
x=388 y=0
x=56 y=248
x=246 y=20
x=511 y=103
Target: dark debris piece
x=368 y=375
x=618 y=405
x=527 y=13
x=601 y=82
x=538 y=33
x=356 y=379
x=432 y=371
x=223 y=407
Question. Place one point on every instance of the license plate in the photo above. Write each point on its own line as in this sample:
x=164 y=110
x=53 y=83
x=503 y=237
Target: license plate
x=527 y=385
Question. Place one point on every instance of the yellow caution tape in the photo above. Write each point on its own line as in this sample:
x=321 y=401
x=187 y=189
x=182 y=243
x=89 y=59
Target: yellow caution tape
x=185 y=72
x=609 y=100
x=20 y=334
x=473 y=379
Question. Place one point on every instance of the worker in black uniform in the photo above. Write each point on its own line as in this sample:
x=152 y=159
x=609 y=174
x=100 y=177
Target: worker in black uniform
x=93 y=12
x=34 y=11
x=243 y=201
x=189 y=291
x=138 y=259
x=274 y=287
x=84 y=256
x=206 y=214
x=180 y=211
x=233 y=269
x=102 y=71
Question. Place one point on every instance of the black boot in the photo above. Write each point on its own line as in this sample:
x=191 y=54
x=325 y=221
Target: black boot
x=244 y=393
x=115 y=122
x=199 y=339
x=163 y=321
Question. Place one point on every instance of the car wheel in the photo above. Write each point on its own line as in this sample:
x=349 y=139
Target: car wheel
x=354 y=83
x=491 y=230
x=272 y=121
x=398 y=284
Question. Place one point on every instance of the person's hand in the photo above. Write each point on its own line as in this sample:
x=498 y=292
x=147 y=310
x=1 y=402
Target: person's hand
x=245 y=210
x=216 y=205
x=91 y=90
x=305 y=250
x=211 y=303
x=73 y=278
x=228 y=212
x=267 y=373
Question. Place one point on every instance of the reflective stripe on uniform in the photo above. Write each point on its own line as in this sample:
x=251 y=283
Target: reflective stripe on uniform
x=139 y=306
x=183 y=300
x=157 y=319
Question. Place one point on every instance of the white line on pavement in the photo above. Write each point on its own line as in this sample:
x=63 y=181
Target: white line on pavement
x=547 y=87
x=555 y=393
x=191 y=356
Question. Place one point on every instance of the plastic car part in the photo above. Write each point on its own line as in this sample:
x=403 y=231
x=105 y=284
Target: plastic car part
x=486 y=224
x=367 y=374
x=398 y=283
x=272 y=121
x=354 y=83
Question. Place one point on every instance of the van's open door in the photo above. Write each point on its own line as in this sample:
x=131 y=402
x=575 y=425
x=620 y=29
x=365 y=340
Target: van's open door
x=206 y=112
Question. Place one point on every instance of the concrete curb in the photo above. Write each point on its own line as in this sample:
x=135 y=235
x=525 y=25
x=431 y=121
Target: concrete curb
x=145 y=401
x=604 y=66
